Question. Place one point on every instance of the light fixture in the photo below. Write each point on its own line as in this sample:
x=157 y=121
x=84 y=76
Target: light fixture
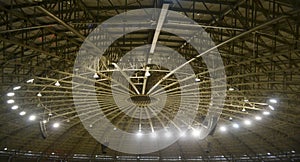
x=16 y=88
x=30 y=81
x=39 y=94
x=53 y=153
x=5 y=148
x=10 y=101
x=196 y=132
x=15 y=107
x=22 y=113
x=32 y=117
x=147 y=73
x=230 y=118
x=258 y=118
x=223 y=128
x=235 y=125
x=268 y=153
x=271 y=107
x=243 y=109
x=247 y=122
x=56 y=125
x=246 y=100
x=293 y=151
x=91 y=125
x=139 y=133
x=266 y=113
x=10 y=94
x=115 y=128
x=96 y=76
x=231 y=89
x=272 y=100
x=57 y=84
x=44 y=121
x=197 y=80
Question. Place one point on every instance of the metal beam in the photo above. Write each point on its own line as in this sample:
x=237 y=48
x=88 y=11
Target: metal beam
x=215 y=47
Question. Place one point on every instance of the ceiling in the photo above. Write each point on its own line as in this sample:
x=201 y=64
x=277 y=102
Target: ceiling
x=258 y=41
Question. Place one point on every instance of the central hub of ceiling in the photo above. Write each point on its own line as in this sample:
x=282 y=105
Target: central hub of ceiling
x=141 y=100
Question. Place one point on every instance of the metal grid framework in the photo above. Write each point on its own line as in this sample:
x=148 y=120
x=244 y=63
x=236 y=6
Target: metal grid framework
x=40 y=39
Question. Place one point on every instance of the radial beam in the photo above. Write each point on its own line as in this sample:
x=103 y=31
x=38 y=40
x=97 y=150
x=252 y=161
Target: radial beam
x=160 y=23
x=215 y=47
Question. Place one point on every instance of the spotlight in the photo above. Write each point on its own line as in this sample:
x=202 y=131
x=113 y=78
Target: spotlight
x=56 y=125
x=139 y=133
x=235 y=125
x=223 y=128
x=272 y=100
x=39 y=94
x=10 y=94
x=231 y=89
x=96 y=76
x=44 y=121
x=10 y=101
x=32 y=117
x=17 y=88
x=266 y=113
x=196 y=132
x=5 y=148
x=147 y=73
x=15 y=107
x=258 y=118
x=268 y=153
x=247 y=122
x=57 y=84
x=22 y=113
x=230 y=118
x=30 y=81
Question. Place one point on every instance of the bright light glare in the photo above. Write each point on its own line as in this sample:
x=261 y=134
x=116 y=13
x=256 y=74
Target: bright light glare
x=235 y=125
x=10 y=94
x=22 y=113
x=273 y=100
x=223 y=128
x=39 y=94
x=271 y=107
x=96 y=76
x=231 y=89
x=30 y=81
x=266 y=113
x=10 y=101
x=57 y=83
x=258 y=118
x=197 y=80
x=56 y=125
x=15 y=107
x=16 y=88
x=247 y=122
x=44 y=121
x=196 y=132
x=32 y=117
x=147 y=73
x=139 y=133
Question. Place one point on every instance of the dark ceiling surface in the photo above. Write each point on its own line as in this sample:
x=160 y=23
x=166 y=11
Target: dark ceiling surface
x=39 y=42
